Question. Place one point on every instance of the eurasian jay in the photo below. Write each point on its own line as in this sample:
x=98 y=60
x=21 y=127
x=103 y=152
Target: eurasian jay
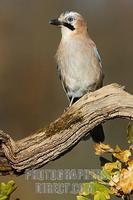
x=78 y=61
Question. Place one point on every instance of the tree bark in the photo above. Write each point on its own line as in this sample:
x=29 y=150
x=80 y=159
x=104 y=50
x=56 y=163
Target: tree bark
x=51 y=142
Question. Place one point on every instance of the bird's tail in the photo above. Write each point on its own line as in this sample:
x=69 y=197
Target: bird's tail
x=97 y=134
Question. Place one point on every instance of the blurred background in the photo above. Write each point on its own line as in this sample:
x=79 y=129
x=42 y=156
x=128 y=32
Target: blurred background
x=31 y=96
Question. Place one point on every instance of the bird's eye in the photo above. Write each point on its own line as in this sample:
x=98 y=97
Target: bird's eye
x=70 y=19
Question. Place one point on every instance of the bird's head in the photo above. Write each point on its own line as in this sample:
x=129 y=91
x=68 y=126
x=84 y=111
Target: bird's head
x=70 y=23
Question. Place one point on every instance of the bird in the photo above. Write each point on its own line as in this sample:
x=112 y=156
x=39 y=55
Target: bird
x=79 y=64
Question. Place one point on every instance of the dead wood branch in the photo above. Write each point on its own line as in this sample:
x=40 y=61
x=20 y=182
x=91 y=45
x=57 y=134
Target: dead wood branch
x=49 y=143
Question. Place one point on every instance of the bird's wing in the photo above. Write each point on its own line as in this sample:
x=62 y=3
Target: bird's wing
x=99 y=59
x=63 y=83
x=58 y=71
x=98 y=55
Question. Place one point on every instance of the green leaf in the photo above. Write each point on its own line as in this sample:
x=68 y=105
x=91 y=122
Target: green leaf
x=6 y=190
x=111 y=166
x=2 y=186
x=10 y=187
x=99 y=187
x=92 y=188
x=106 y=175
x=100 y=196
x=4 y=197
x=130 y=133
x=123 y=156
x=85 y=190
x=82 y=198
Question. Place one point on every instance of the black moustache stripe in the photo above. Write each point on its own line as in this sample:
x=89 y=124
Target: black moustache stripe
x=71 y=27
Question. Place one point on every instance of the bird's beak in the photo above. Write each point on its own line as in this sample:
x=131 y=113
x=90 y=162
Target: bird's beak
x=55 y=22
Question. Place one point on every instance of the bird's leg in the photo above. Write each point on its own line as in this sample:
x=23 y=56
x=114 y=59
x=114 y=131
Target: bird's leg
x=71 y=102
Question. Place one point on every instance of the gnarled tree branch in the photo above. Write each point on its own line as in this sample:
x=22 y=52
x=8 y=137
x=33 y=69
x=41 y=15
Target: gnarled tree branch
x=49 y=143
